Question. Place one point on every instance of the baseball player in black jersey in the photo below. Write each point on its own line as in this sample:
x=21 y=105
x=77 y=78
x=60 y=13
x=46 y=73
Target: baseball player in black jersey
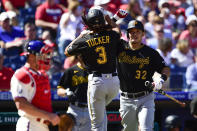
x=98 y=50
x=74 y=84
x=137 y=63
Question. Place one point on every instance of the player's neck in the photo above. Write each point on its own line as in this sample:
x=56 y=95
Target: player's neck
x=135 y=46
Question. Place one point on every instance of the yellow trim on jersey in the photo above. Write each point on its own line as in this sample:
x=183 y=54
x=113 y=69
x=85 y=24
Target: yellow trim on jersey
x=60 y=87
x=80 y=67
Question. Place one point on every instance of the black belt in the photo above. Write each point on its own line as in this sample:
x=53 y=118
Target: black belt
x=135 y=95
x=81 y=105
x=98 y=74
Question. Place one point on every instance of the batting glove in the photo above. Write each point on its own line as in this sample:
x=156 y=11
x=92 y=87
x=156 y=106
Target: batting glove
x=120 y=14
x=158 y=84
x=68 y=92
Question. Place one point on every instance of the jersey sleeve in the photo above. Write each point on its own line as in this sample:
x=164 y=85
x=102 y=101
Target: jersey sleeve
x=65 y=80
x=22 y=87
x=77 y=47
x=39 y=15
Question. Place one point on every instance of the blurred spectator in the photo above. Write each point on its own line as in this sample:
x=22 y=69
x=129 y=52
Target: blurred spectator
x=70 y=25
x=166 y=14
x=13 y=18
x=193 y=107
x=8 y=33
x=150 y=5
x=183 y=3
x=182 y=55
x=191 y=75
x=192 y=9
x=164 y=49
x=48 y=16
x=14 y=5
x=148 y=26
x=30 y=34
x=5 y=74
x=158 y=23
x=158 y=32
x=173 y=123
x=191 y=33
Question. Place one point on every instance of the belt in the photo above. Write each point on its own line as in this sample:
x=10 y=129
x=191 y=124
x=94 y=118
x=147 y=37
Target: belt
x=135 y=95
x=98 y=74
x=81 y=105
x=47 y=122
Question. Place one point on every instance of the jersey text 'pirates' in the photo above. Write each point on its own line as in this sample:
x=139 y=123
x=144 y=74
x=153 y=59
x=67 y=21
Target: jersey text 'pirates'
x=135 y=67
x=76 y=79
x=103 y=49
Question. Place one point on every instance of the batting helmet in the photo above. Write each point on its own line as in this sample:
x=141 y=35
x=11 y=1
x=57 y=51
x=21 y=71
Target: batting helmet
x=95 y=19
x=135 y=24
x=172 y=121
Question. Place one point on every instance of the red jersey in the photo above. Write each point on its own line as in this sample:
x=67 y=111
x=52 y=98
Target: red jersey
x=5 y=77
x=49 y=13
x=34 y=86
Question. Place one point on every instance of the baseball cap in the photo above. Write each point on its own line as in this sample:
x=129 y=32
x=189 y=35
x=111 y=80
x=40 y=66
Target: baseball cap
x=101 y=2
x=190 y=19
x=193 y=106
x=135 y=24
x=4 y=16
x=11 y=14
x=161 y=2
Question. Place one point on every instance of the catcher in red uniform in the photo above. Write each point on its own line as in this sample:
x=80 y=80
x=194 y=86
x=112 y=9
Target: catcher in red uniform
x=30 y=89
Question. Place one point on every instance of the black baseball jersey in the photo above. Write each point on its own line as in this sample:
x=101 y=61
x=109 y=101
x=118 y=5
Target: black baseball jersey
x=98 y=50
x=135 y=67
x=75 y=78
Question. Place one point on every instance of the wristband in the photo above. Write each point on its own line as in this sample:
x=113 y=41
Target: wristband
x=164 y=77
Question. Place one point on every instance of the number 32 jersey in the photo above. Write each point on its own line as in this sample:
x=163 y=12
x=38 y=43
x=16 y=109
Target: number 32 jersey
x=135 y=67
x=98 y=51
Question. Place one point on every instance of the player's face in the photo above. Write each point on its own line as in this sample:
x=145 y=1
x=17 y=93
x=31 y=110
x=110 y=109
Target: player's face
x=135 y=36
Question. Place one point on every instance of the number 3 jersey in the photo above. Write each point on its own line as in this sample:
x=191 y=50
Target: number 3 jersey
x=98 y=51
x=135 y=67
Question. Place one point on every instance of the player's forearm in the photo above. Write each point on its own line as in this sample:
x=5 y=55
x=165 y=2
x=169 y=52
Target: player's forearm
x=24 y=105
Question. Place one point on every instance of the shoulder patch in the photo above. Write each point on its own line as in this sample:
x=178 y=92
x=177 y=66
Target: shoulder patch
x=22 y=76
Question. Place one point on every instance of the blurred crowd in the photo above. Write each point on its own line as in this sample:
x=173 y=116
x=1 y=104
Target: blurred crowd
x=170 y=26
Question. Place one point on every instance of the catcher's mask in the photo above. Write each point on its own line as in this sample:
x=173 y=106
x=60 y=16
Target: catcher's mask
x=95 y=19
x=134 y=24
x=42 y=52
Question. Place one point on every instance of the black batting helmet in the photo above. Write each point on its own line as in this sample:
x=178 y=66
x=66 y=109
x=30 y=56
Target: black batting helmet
x=135 y=24
x=95 y=19
x=172 y=121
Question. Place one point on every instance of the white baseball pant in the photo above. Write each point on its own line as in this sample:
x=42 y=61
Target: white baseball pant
x=101 y=91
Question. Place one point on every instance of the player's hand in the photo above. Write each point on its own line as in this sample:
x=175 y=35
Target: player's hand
x=158 y=84
x=54 y=119
x=68 y=92
x=120 y=14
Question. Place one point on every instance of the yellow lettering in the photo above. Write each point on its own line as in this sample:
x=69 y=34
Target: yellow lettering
x=89 y=44
x=99 y=40
x=107 y=39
